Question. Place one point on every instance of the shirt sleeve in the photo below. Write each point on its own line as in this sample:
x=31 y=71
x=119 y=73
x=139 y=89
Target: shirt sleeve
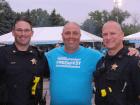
x=2 y=63
x=46 y=68
x=2 y=60
x=136 y=75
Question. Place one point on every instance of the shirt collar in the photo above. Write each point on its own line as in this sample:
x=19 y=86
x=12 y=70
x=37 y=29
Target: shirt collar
x=120 y=54
x=15 y=50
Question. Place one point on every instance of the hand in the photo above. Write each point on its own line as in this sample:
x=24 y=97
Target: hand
x=133 y=51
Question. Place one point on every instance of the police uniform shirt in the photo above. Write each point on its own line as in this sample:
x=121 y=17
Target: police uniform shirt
x=17 y=69
x=117 y=63
x=125 y=70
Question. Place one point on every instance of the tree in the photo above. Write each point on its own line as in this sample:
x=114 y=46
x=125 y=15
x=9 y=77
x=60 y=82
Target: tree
x=7 y=16
x=98 y=18
x=39 y=17
x=89 y=26
x=56 y=19
x=119 y=15
x=130 y=29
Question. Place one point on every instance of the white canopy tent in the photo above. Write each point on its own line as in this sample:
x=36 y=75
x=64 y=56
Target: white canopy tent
x=49 y=35
x=135 y=36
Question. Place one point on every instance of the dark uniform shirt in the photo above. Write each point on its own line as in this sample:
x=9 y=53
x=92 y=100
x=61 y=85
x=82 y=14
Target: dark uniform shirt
x=17 y=72
x=117 y=80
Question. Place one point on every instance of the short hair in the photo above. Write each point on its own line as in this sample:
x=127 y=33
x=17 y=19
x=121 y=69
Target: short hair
x=22 y=18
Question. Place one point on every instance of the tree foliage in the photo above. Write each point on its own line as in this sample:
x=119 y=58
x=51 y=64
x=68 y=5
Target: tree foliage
x=130 y=29
x=56 y=19
x=39 y=17
x=97 y=19
x=7 y=16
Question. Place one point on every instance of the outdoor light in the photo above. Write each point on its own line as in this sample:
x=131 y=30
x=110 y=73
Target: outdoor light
x=118 y=3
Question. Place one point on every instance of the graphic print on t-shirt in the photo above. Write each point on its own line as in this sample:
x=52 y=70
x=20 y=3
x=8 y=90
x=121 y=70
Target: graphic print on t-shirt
x=68 y=62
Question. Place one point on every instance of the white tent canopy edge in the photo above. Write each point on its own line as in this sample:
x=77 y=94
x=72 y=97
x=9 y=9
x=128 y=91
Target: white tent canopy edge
x=50 y=35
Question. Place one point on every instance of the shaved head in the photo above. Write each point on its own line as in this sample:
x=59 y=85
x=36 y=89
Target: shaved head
x=67 y=25
x=112 y=37
x=114 y=23
x=71 y=36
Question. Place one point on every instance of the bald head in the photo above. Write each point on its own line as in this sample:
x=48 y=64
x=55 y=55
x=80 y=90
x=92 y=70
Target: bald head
x=71 y=37
x=71 y=24
x=112 y=36
x=114 y=24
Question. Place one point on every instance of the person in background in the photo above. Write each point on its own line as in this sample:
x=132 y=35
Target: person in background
x=71 y=69
x=21 y=68
x=117 y=78
x=103 y=50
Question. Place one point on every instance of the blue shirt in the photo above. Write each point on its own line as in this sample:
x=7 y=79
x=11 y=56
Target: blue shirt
x=71 y=75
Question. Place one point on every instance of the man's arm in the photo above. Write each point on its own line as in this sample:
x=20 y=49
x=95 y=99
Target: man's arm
x=136 y=76
x=133 y=51
x=46 y=68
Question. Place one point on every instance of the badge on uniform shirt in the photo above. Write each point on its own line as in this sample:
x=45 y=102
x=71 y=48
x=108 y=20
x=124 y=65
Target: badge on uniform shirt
x=114 y=66
x=34 y=61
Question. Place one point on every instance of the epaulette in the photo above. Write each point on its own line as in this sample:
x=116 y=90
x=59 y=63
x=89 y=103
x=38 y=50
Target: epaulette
x=6 y=47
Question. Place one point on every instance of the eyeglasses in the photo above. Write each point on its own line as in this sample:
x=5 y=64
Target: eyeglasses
x=25 y=31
